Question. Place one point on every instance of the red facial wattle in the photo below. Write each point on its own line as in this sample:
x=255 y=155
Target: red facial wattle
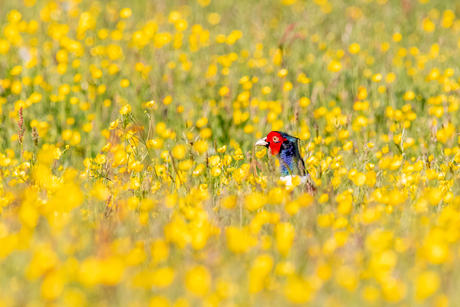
x=275 y=140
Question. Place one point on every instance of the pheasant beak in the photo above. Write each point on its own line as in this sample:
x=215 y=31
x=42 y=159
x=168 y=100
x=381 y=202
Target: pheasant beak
x=262 y=142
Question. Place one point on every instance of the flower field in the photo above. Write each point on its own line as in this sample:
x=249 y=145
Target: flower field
x=129 y=175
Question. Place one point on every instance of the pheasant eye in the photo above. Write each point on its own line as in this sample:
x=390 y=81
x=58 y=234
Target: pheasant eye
x=275 y=139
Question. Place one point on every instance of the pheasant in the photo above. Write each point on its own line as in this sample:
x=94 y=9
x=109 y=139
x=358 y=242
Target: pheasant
x=286 y=148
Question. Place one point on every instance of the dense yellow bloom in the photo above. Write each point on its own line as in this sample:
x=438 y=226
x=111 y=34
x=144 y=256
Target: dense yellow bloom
x=159 y=301
x=52 y=286
x=198 y=280
x=347 y=278
x=104 y=191
x=298 y=290
x=394 y=290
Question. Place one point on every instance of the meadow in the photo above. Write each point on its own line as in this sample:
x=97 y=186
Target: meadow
x=129 y=176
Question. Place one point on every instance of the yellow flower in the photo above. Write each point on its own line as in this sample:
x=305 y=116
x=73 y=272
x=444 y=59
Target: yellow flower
x=76 y=138
x=120 y=156
x=304 y=102
x=16 y=70
x=409 y=95
x=200 y=146
x=213 y=18
x=224 y=91
x=124 y=83
x=427 y=284
x=354 y=48
x=216 y=171
x=324 y=220
x=100 y=191
x=111 y=271
x=287 y=86
x=261 y=153
x=334 y=66
x=238 y=240
x=297 y=290
x=431 y=174
x=359 y=179
x=4 y=46
x=394 y=290
x=428 y=25
x=159 y=251
x=229 y=202
x=185 y=165
x=377 y=77
x=362 y=93
x=397 y=37
x=167 y=100
x=347 y=278
x=155 y=143
x=348 y=146
x=198 y=280
x=370 y=294
x=159 y=301
x=284 y=234
x=282 y=73
x=248 y=129
x=100 y=159
x=57 y=153
x=261 y=267
x=436 y=252
x=206 y=133
x=323 y=198
x=179 y=152
x=181 y=25
x=125 y=13
x=16 y=87
x=198 y=170
x=125 y=109
x=52 y=286
x=255 y=201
